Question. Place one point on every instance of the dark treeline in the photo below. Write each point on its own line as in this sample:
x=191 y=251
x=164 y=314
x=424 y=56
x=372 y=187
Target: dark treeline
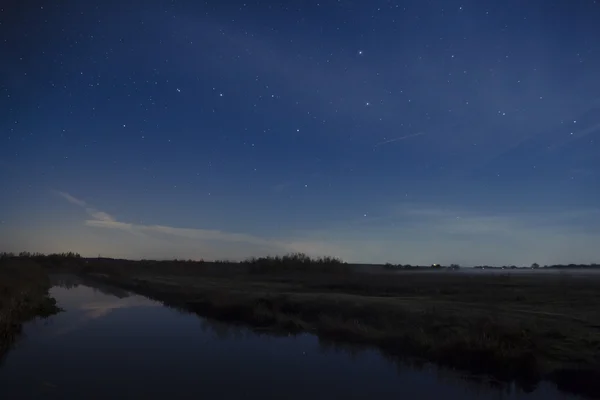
x=514 y=327
x=456 y=266
x=290 y=263
x=26 y=254
x=536 y=266
x=292 y=258
x=295 y=260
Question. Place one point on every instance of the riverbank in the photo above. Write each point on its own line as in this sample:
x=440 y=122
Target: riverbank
x=23 y=296
x=524 y=327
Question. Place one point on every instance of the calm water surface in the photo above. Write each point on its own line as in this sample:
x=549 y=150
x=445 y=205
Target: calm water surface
x=110 y=344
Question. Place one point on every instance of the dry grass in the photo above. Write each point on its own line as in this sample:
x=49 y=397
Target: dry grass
x=509 y=325
x=23 y=295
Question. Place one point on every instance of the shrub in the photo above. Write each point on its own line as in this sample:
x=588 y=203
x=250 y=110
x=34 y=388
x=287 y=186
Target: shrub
x=298 y=262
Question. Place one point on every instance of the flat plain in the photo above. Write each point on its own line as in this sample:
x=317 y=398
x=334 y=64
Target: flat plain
x=522 y=325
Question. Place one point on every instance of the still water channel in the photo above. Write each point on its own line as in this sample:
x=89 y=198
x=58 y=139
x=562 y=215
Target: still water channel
x=110 y=344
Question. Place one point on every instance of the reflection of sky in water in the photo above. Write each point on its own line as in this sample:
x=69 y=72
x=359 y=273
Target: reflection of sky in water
x=89 y=303
x=105 y=347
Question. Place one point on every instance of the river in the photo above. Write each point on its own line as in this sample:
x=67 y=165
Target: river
x=110 y=344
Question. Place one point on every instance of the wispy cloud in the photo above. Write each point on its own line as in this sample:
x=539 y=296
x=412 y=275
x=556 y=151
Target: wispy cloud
x=91 y=211
x=340 y=92
x=417 y=233
x=464 y=221
x=407 y=233
x=188 y=233
x=273 y=246
x=280 y=187
x=398 y=139
x=576 y=135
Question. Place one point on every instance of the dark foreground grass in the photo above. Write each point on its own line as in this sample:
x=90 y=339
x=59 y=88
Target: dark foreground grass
x=23 y=295
x=513 y=326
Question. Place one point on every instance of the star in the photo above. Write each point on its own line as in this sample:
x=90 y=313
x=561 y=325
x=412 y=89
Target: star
x=426 y=144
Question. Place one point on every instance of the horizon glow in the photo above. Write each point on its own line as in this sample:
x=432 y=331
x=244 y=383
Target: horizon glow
x=448 y=132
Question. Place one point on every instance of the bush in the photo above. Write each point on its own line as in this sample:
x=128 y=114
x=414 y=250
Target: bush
x=299 y=262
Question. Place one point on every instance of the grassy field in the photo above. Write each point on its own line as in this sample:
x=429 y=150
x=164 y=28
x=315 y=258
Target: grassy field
x=511 y=325
x=23 y=295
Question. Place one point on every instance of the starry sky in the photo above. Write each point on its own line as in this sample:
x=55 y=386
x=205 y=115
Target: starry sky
x=376 y=131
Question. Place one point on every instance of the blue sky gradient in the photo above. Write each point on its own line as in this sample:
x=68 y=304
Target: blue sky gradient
x=406 y=131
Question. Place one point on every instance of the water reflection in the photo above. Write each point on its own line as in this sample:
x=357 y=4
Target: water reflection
x=66 y=281
x=112 y=344
x=481 y=386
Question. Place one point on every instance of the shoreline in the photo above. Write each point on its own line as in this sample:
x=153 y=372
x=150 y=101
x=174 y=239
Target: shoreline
x=23 y=296
x=493 y=346
x=517 y=327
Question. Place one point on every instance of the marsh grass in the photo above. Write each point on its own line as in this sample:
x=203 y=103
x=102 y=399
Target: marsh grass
x=23 y=296
x=501 y=342
x=296 y=262
x=522 y=327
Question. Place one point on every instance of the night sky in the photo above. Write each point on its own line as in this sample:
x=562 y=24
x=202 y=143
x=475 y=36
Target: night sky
x=403 y=131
